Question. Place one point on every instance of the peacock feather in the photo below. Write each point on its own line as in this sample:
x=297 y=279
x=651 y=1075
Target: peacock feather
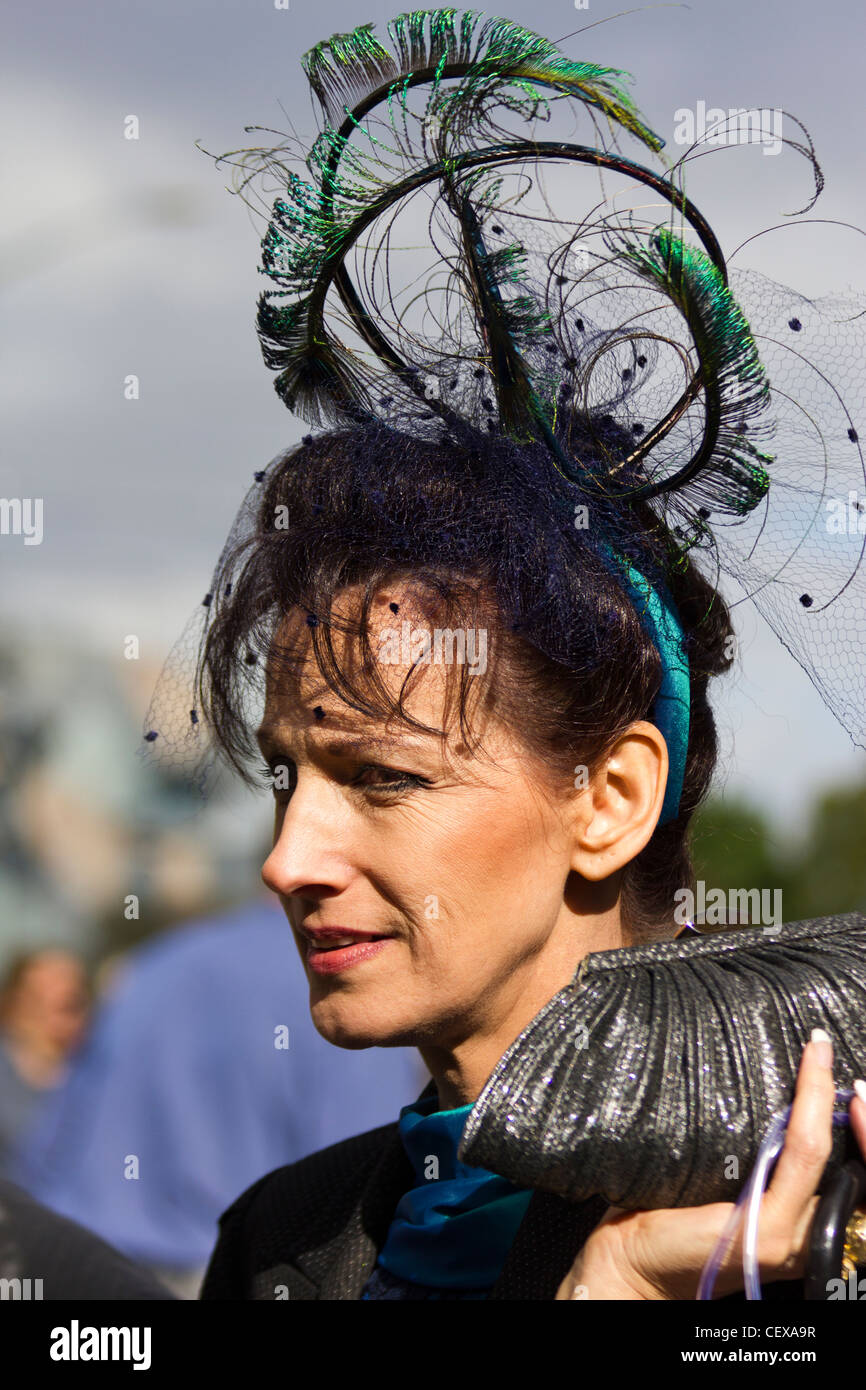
x=473 y=74
x=730 y=370
x=313 y=228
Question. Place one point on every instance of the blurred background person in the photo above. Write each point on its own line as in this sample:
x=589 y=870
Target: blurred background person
x=46 y=1257
x=44 y=1002
x=201 y=1073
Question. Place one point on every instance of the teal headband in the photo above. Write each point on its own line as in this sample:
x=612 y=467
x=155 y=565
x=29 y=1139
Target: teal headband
x=670 y=713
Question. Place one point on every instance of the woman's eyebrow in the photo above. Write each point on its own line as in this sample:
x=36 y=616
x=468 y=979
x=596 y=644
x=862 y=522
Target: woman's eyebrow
x=346 y=745
x=268 y=739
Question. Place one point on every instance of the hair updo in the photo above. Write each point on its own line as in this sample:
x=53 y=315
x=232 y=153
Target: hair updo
x=489 y=528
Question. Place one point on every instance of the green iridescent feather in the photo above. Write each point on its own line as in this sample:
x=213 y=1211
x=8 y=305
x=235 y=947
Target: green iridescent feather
x=358 y=174
x=731 y=369
x=345 y=69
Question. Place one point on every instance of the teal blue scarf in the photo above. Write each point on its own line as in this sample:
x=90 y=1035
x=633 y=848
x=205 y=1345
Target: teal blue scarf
x=454 y=1227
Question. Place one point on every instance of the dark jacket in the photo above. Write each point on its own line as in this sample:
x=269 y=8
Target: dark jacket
x=313 y=1229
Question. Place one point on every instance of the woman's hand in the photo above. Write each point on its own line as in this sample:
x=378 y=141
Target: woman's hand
x=661 y=1254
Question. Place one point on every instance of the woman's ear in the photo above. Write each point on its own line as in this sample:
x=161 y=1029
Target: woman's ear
x=617 y=812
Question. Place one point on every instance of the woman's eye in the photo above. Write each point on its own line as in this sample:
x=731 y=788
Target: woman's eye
x=281 y=777
x=393 y=780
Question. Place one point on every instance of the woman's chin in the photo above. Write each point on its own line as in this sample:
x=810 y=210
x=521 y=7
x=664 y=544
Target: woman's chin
x=354 y=1028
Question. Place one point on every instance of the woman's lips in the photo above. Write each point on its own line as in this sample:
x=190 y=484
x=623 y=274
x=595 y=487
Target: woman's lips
x=329 y=962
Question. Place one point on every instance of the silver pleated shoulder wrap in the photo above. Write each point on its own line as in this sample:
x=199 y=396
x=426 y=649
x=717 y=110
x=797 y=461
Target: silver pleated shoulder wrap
x=652 y=1078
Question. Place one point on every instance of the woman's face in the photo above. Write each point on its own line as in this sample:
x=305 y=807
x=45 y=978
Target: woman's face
x=460 y=864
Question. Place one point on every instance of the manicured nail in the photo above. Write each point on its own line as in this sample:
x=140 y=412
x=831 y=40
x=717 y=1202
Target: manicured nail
x=823 y=1047
x=860 y=1088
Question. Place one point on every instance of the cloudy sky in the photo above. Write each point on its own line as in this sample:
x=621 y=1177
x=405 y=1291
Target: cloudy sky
x=130 y=256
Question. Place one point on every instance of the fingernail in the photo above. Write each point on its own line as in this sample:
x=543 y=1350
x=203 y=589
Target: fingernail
x=860 y=1088
x=823 y=1047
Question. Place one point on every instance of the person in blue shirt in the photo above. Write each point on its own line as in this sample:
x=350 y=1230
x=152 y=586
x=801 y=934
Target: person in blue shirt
x=202 y=1071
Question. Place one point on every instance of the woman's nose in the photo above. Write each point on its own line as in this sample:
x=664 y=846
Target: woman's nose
x=310 y=850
